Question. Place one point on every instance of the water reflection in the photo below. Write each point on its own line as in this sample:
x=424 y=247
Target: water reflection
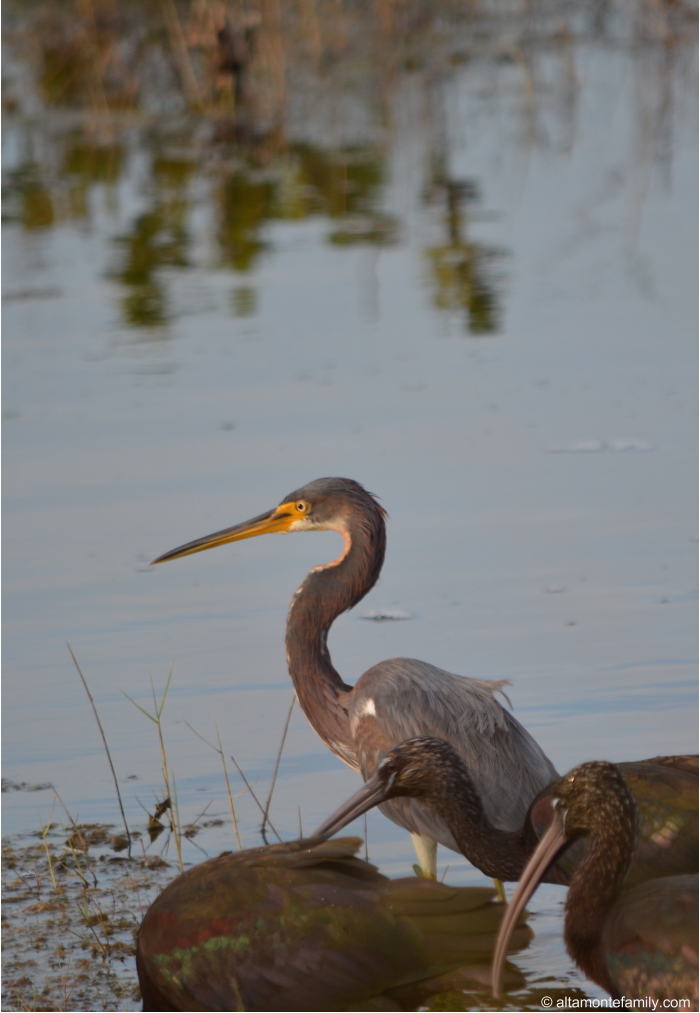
x=292 y=184
x=299 y=183
x=38 y=198
x=158 y=238
x=245 y=301
x=244 y=204
x=252 y=172
x=27 y=199
x=86 y=164
x=462 y=271
x=344 y=186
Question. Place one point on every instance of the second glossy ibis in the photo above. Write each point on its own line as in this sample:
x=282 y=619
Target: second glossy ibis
x=640 y=941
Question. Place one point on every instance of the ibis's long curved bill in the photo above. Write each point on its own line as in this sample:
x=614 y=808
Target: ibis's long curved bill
x=371 y=794
x=546 y=852
x=278 y=520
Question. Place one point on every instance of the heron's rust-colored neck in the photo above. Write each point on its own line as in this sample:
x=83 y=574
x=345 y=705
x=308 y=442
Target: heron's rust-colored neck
x=327 y=592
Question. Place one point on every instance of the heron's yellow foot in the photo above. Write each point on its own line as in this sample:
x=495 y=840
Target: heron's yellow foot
x=421 y=872
x=500 y=891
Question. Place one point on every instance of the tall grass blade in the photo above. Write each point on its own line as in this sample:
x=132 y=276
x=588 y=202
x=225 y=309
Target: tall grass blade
x=250 y=789
x=44 y=832
x=219 y=749
x=104 y=740
x=277 y=767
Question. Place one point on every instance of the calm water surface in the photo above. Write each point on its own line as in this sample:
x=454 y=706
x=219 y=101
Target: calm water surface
x=484 y=312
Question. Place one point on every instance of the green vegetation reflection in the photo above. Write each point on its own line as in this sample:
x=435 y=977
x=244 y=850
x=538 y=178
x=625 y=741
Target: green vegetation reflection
x=301 y=183
x=246 y=188
x=159 y=238
x=344 y=186
x=462 y=271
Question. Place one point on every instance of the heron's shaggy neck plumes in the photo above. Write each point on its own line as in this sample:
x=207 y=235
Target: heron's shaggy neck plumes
x=327 y=592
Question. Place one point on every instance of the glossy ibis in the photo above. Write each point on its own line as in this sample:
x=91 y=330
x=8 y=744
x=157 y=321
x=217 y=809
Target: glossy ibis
x=634 y=940
x=430 y=769
x=306 y=926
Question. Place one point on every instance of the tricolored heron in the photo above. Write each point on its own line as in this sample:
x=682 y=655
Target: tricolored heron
x=397 y=699
x=306 y=926
x=637 y=941
x=665 y=789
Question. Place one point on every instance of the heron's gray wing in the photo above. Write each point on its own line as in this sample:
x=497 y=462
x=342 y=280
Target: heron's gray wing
x=402 y=698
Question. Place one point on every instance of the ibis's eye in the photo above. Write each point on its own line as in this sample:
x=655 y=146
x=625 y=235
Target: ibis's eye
x=302 y=507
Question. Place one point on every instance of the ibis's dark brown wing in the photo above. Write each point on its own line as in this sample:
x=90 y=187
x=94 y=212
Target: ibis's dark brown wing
x=687 y=762
x=651 y=940
x=667 y=803
x=304 y=926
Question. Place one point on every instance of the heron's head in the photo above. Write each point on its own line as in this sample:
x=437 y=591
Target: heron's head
x=336 y=504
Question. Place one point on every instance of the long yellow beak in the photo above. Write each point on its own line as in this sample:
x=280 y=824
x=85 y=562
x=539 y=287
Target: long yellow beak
x=279 y=519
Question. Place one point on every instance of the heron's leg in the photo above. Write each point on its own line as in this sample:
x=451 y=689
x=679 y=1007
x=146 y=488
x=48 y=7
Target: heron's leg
x=426 y=849
x=500 y=891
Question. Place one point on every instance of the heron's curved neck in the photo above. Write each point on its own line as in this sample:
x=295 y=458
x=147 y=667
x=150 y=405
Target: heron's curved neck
x=327 y=591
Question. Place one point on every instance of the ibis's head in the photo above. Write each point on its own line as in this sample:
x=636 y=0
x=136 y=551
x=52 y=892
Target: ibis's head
x=417 y=768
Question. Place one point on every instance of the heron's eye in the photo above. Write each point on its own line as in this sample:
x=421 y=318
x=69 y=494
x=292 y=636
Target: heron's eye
x=302 y=507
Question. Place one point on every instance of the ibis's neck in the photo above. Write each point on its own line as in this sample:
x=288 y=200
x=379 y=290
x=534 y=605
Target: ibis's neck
x=326 y=592
x=593 y=892
x=502 y=854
